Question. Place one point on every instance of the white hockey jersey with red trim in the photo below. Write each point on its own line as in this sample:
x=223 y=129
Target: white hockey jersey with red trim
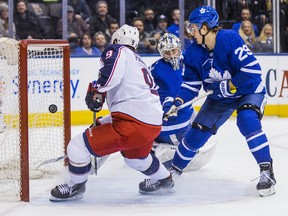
x=129 y=87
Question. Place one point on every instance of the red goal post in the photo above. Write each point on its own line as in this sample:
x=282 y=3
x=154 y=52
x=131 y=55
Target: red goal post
x=35 y=120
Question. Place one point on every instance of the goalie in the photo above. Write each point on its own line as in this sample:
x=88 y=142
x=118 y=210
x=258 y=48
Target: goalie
x=167 y=73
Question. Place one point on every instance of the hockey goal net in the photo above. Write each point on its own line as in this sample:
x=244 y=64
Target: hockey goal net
x=34 y=111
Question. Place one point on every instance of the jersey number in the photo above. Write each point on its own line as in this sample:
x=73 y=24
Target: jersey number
x=149 y=81
x=243 y=52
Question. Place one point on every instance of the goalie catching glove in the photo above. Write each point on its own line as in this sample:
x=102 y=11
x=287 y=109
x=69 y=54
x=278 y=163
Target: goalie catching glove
x=94 y=99
x=222 y=89
x=170 y=108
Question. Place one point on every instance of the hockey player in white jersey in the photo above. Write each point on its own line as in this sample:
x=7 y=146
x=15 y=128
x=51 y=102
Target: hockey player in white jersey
x=220 y=61
x=133 y=123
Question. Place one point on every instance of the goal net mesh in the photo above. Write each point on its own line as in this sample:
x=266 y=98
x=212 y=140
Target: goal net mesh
x=45 y=113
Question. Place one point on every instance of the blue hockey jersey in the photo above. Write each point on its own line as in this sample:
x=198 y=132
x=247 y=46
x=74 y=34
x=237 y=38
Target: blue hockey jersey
x=230 y=59
x=168 y=82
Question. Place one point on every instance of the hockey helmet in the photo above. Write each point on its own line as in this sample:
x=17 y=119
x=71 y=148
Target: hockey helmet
x=126 y=35
x=204 y=14
x=169 y=47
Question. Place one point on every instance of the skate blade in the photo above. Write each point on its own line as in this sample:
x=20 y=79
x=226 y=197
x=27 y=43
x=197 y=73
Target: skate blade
x=162 y=191
x=55 y=199
x=267 y=192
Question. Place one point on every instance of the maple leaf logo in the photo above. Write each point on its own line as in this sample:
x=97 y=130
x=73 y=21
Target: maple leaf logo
x=202 y=10
x=215 y=75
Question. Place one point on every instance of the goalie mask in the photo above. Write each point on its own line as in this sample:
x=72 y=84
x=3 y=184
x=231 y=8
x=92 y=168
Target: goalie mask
x=126 y=35
x=169 y=47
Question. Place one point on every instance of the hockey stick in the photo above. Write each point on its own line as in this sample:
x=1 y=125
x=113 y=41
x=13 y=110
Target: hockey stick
x=189 y=103
x=53 y=160
x=95 y=158
x=194 y=100
x=98 y=161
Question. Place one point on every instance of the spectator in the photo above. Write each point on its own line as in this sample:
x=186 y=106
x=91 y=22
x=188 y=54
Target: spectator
x=162 y=23
x=99 y=41
x=27 y=24
x=246 y=31
x=188 y=38
x=174 y=27
x=4 y=24
x=153 y=42
x=284 y=26
x=144 y=43
x=264 y=43
x=81 y=9
x=75 y=24
x=73 y=43
x=113 y=26
x=149 y=20
x=85 y=47
x=245 y=15
x=100 y=21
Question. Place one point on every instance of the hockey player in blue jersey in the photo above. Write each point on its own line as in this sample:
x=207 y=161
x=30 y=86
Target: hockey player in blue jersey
x=220 y=61
x=167 y=74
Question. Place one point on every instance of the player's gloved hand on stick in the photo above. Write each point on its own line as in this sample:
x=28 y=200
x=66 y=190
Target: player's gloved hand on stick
x=170 y=108
x=94 y=100
x=222 y=89
x=97 y=122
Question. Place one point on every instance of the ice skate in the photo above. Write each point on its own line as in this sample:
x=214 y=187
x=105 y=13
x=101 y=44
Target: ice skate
x=267 y=180
x=64 y=192
x=159 y=187
x=175 y=172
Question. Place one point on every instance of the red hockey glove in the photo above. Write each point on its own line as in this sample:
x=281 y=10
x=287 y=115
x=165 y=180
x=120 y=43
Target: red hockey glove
x=94 y=100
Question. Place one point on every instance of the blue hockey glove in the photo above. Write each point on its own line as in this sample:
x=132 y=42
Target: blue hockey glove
x=170 y=108
x=222 y=89
x=94 y=100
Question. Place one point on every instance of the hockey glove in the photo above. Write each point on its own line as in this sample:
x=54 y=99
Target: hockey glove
x=170 y=108
x=222 y=89
x=94 y=100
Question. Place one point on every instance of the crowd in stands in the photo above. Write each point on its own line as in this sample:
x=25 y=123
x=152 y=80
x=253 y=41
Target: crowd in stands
x=90 y=25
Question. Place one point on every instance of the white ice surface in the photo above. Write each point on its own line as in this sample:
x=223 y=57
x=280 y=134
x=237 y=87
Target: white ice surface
x=221 y=188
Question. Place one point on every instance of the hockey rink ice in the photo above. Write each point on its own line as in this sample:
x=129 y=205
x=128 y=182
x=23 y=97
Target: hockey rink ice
x=223 y=187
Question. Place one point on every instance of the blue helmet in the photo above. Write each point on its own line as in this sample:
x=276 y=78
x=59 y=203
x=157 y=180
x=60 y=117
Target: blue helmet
x=204 y=14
